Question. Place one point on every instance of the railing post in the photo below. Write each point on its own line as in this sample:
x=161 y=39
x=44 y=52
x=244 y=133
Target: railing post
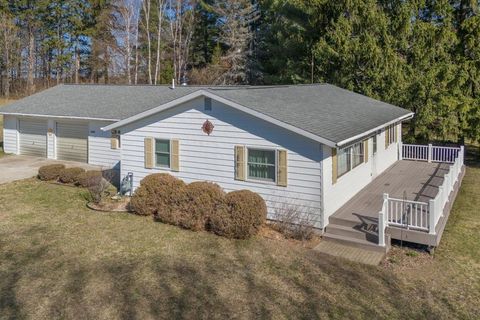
x=431 y=216
x=430 y=147
x=400 y=150
x=381 y=229
x=441 y=192
x=462 y=150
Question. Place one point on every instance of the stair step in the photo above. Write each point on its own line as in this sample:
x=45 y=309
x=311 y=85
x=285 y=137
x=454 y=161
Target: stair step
x=368 y=235
x=347 y=223
x=357 y=243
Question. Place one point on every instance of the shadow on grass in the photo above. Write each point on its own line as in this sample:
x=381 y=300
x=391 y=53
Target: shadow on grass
x=472 y=156
x=246 y=280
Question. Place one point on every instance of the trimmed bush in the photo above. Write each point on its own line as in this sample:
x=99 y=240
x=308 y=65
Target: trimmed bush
x=203 y=200
x=89 y=179
x=245 y=213
x=70 y=175
x=161 y=195
x=50 y=172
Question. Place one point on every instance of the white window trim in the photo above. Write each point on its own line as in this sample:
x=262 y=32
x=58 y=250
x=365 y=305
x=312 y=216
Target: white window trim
x=352 y=167
x=257 y=180
x=168 y=168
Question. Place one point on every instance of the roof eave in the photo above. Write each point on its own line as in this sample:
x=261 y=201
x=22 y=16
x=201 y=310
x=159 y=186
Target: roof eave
x=56 y=117
x=366 y=133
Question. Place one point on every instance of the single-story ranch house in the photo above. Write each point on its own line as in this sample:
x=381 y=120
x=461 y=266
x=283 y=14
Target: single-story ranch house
x=318 y=148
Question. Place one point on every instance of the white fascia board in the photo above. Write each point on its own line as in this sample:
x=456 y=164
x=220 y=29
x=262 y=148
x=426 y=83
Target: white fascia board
x=56 y=117
x=232 y=104
x=366 y=133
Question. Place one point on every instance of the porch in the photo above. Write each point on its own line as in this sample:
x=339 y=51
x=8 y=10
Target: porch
x=409 y=201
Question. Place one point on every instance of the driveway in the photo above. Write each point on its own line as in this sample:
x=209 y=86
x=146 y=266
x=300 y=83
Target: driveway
x=14 y=168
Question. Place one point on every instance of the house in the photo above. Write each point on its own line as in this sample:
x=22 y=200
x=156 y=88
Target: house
x=312 y=147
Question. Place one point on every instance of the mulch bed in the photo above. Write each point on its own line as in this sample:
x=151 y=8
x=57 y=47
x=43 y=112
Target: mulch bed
x=111 y=205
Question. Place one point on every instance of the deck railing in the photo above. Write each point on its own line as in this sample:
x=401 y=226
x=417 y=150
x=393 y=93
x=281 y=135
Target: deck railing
x=422 y=216
x=428 y=153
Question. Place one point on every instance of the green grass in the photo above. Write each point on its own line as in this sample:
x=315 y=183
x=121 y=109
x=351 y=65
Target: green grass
x=60 y=260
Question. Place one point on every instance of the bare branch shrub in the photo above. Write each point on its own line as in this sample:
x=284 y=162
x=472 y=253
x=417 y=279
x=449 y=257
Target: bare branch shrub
x=294 y=221
x=98 y=185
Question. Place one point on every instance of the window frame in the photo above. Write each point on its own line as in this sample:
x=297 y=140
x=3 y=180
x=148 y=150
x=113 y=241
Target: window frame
x=392 y=134
x=157 y=165
x=350 y=158
x=275 y=165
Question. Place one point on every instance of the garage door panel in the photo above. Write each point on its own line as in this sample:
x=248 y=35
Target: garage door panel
x=33 y=137
x=72 y=142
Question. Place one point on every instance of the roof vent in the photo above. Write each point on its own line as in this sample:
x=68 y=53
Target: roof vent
x=184 y=81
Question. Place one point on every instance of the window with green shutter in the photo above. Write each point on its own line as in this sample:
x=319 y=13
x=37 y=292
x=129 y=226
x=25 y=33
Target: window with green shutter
x=162 y=153
x=261 y=164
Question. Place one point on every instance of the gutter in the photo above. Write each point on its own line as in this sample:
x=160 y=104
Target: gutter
x=58 y=117
x=358 y=136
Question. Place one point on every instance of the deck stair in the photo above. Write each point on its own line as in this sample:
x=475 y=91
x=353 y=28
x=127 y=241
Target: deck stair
x=354 y=234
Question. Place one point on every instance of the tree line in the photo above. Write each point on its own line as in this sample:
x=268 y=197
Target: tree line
x=423 y=55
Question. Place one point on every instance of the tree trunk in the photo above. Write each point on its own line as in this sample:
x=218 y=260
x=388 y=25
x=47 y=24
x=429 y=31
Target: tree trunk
x=77 y=63
x=159 y=37
x=146 y=9
x=31 y=60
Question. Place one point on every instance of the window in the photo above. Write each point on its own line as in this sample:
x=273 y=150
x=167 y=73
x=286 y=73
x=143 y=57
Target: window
x=261 y=164
x=375 y=144
x=357 y=154
x=391 y=132
x=162 y=153
x=208 y=104
x=350 y=157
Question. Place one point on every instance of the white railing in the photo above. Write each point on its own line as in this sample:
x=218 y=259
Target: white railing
x=437 y=205
x=428 y=153
x=421 y=215
x=407 y=214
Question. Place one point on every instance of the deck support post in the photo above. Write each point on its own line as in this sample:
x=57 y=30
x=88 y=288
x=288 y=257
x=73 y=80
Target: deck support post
x=431 y=216
x=382 y=221
x=400 y=150
x=430 y=147
x=461 y=155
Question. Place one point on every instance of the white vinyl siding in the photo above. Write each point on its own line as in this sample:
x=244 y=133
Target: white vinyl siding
x=72 y=141
x=33 y=137
x=100 y=151
x=211 y=157
x=10 y=134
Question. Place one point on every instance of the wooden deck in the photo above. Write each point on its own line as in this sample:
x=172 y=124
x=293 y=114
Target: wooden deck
x=412 y=180
x=356 y=222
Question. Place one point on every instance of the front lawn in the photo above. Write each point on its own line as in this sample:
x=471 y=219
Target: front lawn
x=60 y=260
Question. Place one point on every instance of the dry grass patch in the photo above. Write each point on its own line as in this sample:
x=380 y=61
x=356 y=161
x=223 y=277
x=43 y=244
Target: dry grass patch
x=58 y=259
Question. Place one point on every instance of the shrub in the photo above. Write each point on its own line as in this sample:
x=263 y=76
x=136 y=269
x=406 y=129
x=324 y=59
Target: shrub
x=50 y=172
x=203 y=200
x=294 y=221
x=98 y=186
x=161 y=195
x=89 y=178
x=243 y=216
x=70 y=175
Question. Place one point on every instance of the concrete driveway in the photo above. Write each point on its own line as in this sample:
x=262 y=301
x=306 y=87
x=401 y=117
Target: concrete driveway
x=14 y=168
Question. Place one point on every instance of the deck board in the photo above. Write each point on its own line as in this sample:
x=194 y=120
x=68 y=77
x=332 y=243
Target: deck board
x=412 y=180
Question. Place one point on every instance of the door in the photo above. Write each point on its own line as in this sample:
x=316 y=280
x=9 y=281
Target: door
x=72 y=141
x=33 y=137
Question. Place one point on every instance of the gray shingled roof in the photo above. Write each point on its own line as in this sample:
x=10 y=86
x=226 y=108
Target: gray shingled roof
x=325 y=110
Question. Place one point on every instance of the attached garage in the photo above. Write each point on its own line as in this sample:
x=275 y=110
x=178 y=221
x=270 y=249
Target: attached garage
x=33 y=137
x=72 y=141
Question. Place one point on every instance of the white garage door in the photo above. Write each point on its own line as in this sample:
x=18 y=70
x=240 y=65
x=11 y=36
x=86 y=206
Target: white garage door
x=72 y=141
x=33 y=137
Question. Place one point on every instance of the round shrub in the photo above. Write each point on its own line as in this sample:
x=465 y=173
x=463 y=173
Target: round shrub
x=161 y=195
x=89 y=178
x=50 y=172
x=70 y=175
x=245 y=213
x=203 y=200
